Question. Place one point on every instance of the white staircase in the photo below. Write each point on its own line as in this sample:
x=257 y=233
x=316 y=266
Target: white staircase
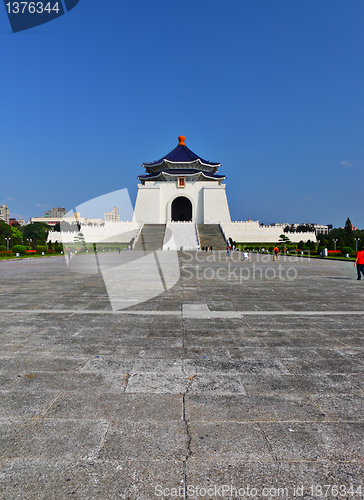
x=181 y=234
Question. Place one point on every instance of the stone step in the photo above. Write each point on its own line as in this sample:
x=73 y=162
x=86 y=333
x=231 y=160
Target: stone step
x=180 y=235
x=211 y=235
x=151 y=237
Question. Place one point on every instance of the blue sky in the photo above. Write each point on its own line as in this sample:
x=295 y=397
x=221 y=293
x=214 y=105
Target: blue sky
x=274 y=90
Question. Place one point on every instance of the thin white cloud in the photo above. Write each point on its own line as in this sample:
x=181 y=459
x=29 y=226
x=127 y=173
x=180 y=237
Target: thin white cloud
x=38 y=205
x=10 y=199
x=346 y=163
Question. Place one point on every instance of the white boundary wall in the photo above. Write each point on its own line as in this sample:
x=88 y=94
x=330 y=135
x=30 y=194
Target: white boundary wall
x=118 y=232
x=252 y=232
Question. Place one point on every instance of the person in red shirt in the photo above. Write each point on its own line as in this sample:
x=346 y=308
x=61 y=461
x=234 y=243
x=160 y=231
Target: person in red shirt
x=275 y=253
x=359 y=262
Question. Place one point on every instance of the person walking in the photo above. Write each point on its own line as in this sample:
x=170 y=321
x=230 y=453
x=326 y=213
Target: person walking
x=359 y=262
x=275 y=253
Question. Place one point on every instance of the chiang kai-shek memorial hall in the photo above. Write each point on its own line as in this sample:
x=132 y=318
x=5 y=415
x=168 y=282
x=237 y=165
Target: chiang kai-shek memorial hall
x=182 y=186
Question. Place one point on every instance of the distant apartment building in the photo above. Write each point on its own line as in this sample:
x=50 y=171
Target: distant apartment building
x=73 y=219
x=112 y=216
x=318 y=228
x=56 y=212
x=51 y=217
x=4 y=213
x=13 y=221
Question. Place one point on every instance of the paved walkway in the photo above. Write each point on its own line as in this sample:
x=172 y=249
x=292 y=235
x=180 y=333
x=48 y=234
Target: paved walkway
x=244 y=380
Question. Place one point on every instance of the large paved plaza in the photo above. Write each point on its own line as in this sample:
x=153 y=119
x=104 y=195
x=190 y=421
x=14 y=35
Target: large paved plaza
x=243 y=380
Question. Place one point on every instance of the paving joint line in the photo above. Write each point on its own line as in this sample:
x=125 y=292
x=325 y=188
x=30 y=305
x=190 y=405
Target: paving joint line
x=184 y=315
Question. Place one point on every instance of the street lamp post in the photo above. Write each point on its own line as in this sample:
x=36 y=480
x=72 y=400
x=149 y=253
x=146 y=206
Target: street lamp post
x=356 y=243
x=7 y=243
x=335 y=241
x=29 y=239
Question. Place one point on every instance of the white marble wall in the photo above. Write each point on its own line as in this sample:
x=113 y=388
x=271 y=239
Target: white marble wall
x=208 y=198
x=118 y=232
x=252 y=232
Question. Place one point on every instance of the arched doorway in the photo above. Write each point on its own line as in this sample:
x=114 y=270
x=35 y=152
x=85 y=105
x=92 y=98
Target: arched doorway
x=181 y=209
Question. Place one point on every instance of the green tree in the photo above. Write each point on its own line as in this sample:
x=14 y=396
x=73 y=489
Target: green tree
x=5 y=232
x=340 y=243
x=284 y=239
x=305 y=228
x=348 y=231
x=80 y=240
x=321 y=238
x=17 y=235
x=313 y=245
x=38 y=232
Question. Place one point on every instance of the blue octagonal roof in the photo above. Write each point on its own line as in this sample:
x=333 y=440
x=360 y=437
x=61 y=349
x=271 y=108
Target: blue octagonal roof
x=181 y=154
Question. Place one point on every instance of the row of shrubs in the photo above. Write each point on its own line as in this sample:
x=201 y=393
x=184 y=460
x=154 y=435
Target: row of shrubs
x=343 y=251
x=23 y=250
x=270 y=249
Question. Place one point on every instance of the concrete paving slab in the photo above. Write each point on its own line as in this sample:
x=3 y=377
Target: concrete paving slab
x=17 y=402
x=116 y=406
x=157 y=383
x=274 y=480
x=216 y=383
x=316 y=441
x=88 y=479
x=47 y=439
x=24 y=366
x=234 y=366
x=341 y=407
x=304 y=384
x=292 y=408
x=242 y=442
x=139 y=441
